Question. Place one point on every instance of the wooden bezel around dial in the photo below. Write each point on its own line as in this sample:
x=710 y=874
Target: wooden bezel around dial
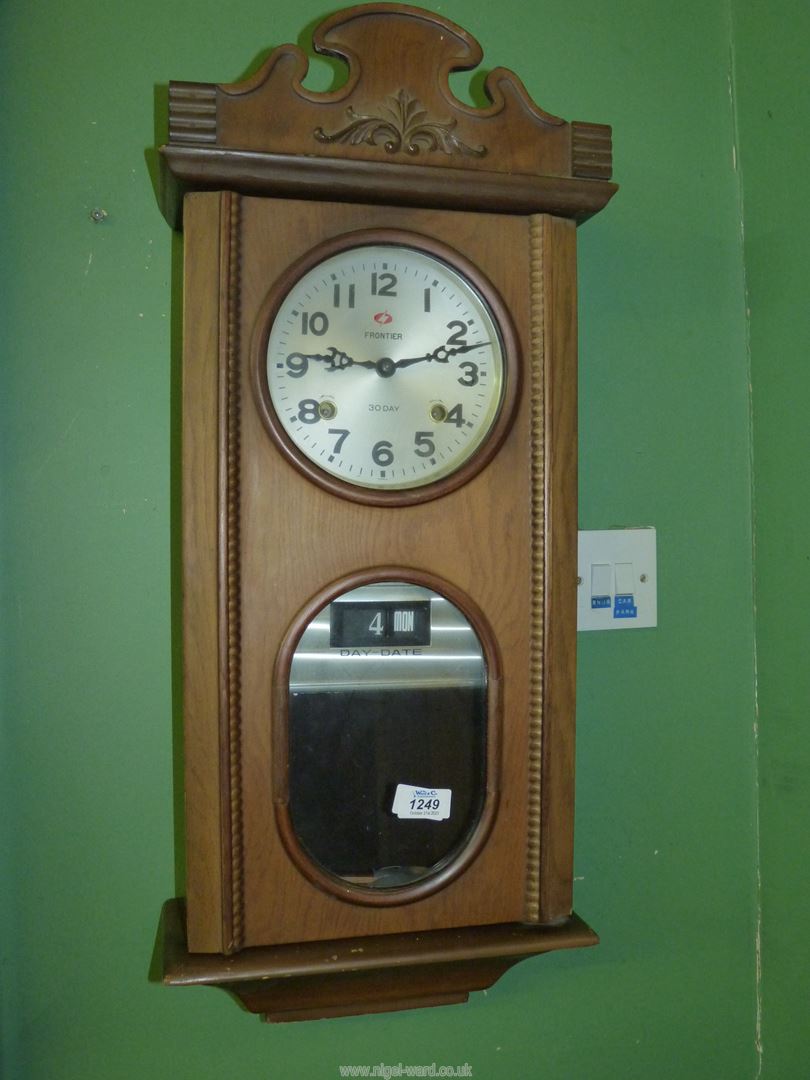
x=509 y=349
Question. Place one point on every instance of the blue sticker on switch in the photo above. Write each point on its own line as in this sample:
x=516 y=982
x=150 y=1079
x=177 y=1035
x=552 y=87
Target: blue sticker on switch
x=624 y=606
x=600 y=602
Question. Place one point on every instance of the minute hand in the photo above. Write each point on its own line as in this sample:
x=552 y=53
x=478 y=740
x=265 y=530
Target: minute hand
x=441 y=355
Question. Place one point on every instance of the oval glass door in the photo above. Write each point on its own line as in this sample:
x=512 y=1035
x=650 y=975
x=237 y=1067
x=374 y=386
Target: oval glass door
x=387 y=737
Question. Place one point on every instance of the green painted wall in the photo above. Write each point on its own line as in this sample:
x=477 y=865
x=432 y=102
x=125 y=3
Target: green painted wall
x=772 y=55
x=667 y=841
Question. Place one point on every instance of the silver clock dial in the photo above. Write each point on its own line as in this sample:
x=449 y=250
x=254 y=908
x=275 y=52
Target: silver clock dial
x=385 y=367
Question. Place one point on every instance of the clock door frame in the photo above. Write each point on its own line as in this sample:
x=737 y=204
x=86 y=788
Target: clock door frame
x=526 y=594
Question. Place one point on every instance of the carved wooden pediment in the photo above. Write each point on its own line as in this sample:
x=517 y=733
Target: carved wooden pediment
x=394 y=132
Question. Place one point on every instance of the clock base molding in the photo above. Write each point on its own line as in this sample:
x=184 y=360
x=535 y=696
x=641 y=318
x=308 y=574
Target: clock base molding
x=385 y=973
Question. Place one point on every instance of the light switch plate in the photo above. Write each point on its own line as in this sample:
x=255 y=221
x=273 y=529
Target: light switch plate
x=617 y=585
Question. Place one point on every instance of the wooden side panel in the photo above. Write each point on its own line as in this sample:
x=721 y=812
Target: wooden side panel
x=559 y=653
x=204 y=877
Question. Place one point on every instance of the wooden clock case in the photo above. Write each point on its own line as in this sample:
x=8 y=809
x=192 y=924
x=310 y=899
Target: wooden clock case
x=259 y=174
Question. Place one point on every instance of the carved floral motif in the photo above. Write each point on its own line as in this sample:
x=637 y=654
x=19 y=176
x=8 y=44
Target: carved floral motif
x=403 y=124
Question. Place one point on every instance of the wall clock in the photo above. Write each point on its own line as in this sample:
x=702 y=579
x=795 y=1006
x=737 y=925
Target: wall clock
x=421 y=393
x=379 y=523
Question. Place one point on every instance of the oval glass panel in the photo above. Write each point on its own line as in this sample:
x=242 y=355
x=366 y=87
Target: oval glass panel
x=387 y=735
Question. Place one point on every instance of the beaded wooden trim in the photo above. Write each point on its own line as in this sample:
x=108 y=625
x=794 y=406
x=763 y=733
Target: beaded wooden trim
x=535 y=741
x=230 y=577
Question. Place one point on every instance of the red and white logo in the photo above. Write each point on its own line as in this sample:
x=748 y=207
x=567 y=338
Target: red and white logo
x=383 y=318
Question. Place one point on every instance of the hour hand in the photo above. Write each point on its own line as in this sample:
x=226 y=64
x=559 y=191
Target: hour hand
x=441 y=355
x=335 y=360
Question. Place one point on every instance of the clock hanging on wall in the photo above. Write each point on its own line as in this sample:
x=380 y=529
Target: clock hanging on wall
x=379 y=523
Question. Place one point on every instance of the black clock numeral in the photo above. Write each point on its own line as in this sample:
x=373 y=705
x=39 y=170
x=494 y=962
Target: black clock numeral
x=455 y=416
x=383 y=284
x=381 y=453
x=471 y=378
x=297 y=365
x=427 y=299
x=342 y=434
x=425 y=446
x=308 y=411
x=315 y=323
x=337 y=295
x=459 y=337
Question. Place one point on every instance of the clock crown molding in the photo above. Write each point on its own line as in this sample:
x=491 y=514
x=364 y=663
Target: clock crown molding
x=394 y=132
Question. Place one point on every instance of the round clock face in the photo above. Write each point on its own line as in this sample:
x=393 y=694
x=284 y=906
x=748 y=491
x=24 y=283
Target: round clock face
x=385 y=367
